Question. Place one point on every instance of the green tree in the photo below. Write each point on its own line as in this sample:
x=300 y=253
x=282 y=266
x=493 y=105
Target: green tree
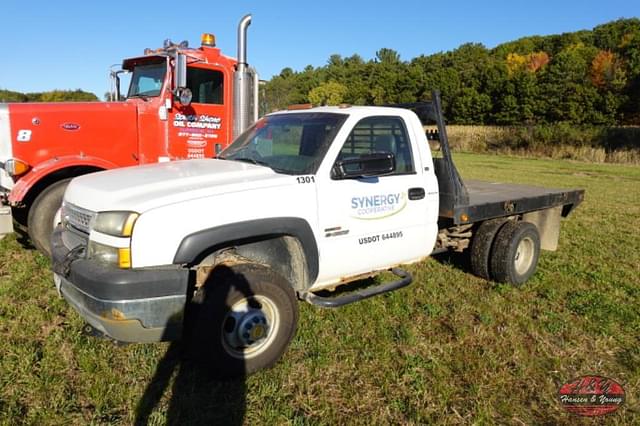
x=10 y=96
x=470 y=107
x=330 y=93
x=67 y=96
x=536 y=79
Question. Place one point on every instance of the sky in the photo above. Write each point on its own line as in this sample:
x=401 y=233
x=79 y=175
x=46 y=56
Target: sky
x=65 y=44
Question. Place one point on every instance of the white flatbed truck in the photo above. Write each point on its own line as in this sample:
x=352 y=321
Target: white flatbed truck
x=306 y=200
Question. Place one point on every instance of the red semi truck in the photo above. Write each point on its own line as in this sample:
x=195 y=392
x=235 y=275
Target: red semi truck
x=181 y=103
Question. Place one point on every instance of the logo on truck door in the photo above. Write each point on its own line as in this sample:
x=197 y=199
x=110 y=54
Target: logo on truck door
x=377 y=206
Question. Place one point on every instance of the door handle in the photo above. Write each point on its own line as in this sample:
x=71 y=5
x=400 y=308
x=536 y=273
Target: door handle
x=416 y=193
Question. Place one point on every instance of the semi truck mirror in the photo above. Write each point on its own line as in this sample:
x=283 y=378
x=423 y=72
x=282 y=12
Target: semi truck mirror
x=180 y=72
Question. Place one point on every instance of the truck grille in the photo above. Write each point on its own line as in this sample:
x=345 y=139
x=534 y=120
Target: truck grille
x=77 y=217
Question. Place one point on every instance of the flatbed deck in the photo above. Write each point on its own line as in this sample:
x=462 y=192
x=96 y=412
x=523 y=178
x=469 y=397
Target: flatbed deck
x=487 y=200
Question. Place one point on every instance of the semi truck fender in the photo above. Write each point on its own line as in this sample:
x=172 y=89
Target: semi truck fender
x=194 y=246
x=58 y=166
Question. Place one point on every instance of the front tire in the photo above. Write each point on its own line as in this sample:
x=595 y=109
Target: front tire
x=246 y=320
x=515 y=252
x=43 y=211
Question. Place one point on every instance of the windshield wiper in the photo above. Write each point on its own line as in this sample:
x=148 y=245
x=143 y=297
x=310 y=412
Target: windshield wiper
x=258 y=163
x=252 y=161
x=141 y=96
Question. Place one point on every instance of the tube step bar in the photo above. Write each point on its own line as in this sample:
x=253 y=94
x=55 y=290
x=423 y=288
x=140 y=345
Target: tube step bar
x=357 y=295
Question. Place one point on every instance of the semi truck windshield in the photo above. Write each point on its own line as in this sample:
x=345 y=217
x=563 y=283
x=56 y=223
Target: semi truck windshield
x=147 y=79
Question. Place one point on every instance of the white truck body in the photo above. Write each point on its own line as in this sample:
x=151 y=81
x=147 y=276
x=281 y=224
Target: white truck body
x=301 y=203
x=180 y=198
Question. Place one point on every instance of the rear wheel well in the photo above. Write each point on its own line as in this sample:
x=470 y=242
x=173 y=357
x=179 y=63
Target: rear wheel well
x=22 y=213
x=284 y=254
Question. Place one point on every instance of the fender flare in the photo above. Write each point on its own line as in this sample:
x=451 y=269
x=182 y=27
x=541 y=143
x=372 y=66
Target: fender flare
x=41 y=171
x=193 y=245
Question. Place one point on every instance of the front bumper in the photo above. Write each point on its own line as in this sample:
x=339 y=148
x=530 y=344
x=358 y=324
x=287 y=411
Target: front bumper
x=129 y=305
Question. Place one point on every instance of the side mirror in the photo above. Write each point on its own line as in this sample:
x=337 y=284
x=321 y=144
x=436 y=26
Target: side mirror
x=114 y=90
x=180 y=72
x=184 y=96
x=368 y=165
x=181 y=92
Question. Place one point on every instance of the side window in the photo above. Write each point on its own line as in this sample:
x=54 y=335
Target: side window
x=380 y=134
x=206 y=85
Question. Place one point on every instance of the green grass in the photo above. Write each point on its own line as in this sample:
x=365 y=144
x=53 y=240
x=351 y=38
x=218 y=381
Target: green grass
x=451 y=348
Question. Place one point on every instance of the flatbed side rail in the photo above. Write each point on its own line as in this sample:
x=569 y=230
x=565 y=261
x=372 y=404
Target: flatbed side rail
x=478 y=212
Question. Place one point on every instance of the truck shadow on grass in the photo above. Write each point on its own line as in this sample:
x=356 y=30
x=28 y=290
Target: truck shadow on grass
x=196 y=398
x=462 y=262
x=197 y=395
x=459 y=261
x=22 y=237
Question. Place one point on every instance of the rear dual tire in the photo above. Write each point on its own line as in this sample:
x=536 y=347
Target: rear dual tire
x=515 y=253
x=480 y=251
x=505 y=251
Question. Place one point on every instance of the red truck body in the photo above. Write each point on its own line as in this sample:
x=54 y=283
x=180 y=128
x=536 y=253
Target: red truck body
x=42 y=144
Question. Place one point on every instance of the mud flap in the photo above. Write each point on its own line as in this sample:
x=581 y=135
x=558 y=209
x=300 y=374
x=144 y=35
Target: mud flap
x=6 y=221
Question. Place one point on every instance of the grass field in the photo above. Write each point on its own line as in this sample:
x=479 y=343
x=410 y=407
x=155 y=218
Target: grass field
x=450 y=349
x=595 y=144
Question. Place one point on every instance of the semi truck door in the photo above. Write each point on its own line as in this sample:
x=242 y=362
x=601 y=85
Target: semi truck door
x=204 y=127
x=374 y=222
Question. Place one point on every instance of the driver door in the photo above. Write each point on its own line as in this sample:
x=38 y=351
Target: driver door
x=203 y=128
x=373 y=223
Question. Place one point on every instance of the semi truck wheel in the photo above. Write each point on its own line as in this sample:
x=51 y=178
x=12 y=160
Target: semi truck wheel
x=42 y=213
x=515 y=253
x=481 y=247
x=247 y=318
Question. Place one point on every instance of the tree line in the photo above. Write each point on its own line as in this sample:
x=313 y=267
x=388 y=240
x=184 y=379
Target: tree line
x=583 y=77
x=77 y=95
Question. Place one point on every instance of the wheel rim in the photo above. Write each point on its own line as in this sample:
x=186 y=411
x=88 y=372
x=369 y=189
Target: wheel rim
x=249 y=327
x=524 y=255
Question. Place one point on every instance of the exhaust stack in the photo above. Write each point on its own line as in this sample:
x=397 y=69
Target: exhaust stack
x=242 y=42
x=244 y=101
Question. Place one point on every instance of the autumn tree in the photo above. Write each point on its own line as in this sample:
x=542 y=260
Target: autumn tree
x=584 y=77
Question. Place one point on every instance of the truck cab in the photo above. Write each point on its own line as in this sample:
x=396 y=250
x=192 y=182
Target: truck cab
x=181 y=103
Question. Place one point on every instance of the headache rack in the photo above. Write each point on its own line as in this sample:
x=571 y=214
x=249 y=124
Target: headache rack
x=475 y=201
x=453 y=191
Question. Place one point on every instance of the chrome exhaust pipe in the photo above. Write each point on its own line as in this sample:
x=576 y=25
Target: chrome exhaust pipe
x=243 y=102
x=242 y=42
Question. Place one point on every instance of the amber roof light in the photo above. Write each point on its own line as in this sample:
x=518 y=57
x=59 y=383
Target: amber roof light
x=208 y=40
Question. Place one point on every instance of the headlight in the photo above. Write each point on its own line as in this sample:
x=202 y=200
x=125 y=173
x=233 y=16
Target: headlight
x=120 y=256
x=102 y=253
x=117 y=224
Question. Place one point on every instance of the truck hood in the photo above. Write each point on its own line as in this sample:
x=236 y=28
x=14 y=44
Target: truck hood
x=146 y=187
x=68 y=129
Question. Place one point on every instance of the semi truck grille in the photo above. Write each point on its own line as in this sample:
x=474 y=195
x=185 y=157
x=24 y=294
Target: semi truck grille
x=77 y=217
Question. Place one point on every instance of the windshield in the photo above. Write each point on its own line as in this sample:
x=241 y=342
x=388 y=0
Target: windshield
x=147 y=79
x=287 y=143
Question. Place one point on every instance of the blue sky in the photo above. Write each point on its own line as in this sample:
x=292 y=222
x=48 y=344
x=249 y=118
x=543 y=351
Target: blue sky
x=71 y=44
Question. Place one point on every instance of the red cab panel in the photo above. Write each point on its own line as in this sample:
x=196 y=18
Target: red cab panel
x=45 y=131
